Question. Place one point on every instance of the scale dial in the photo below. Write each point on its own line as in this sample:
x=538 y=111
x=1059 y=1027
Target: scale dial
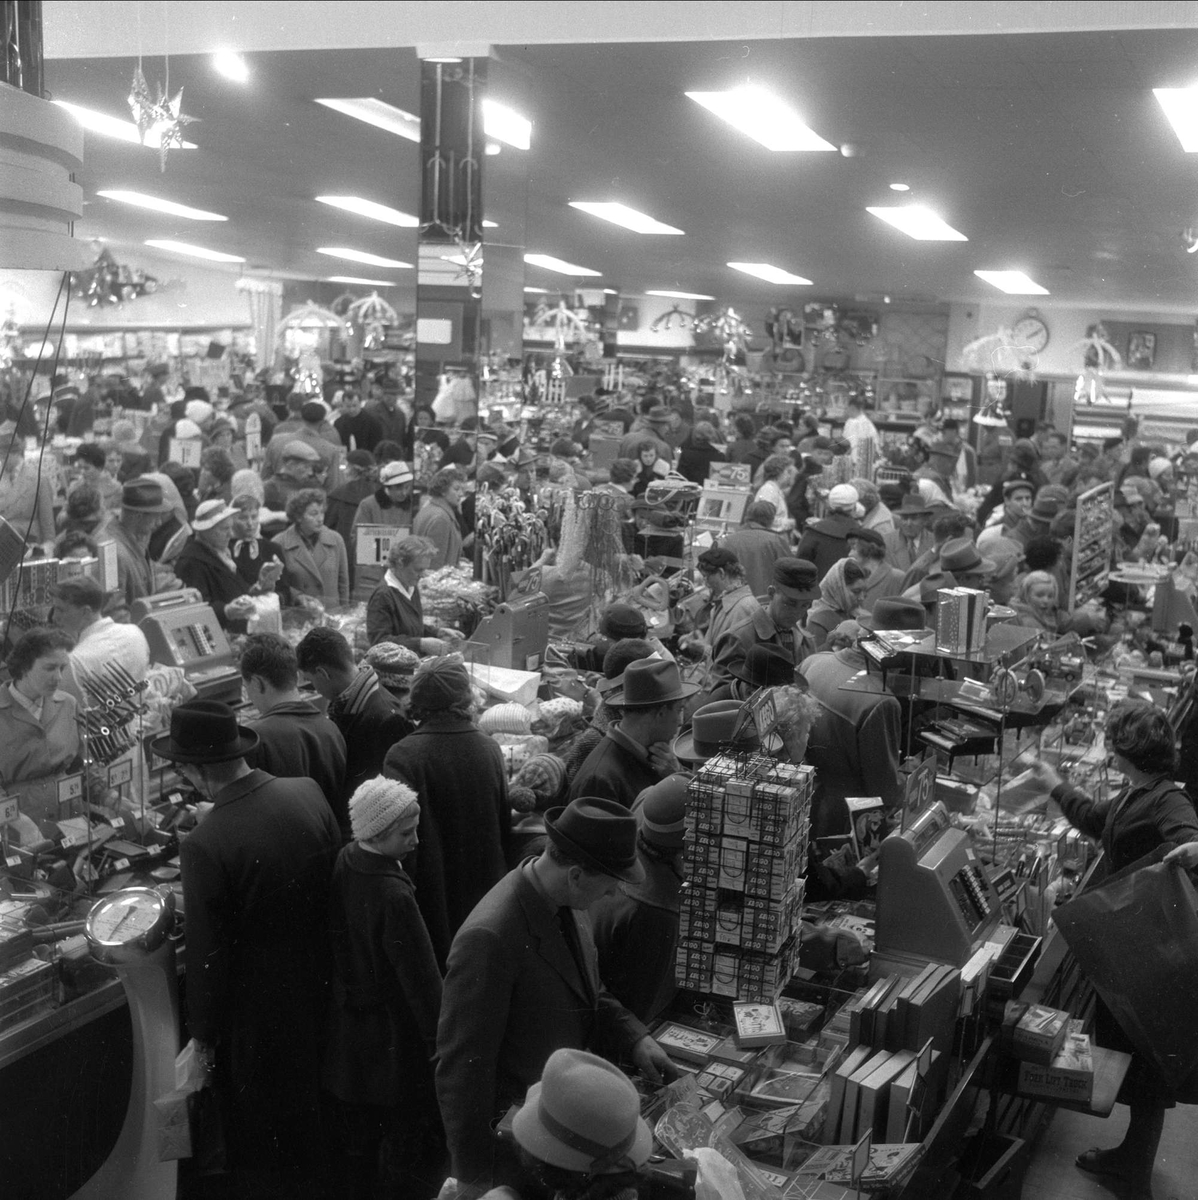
x=130 y=924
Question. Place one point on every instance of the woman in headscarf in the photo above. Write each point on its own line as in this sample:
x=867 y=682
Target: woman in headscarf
x=841 y=592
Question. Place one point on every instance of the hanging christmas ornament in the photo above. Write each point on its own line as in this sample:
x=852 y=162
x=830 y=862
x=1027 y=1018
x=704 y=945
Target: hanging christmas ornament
x=159 y=121
x=676 y=317
x=469 y=261
x=1099 y=353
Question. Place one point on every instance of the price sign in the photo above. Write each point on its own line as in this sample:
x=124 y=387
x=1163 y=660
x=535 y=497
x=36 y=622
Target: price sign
x=121 y=864
x=373 y=543
x=74 y=839
x=187 y=452
x=253 y=437
x=117 y=822
x=9 y=810
x=70 y=788
x=120 y=773
x=13 y=860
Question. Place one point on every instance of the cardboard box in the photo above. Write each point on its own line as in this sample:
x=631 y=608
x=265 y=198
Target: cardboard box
x=1069 y=1077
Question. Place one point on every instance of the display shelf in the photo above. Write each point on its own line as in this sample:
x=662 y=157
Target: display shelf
x=1093 y=544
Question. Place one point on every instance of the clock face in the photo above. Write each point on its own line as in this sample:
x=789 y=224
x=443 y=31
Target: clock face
x=1030 y=332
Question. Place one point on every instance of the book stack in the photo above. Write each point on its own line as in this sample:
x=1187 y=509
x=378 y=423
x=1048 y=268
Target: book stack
x=961 y=620
x=748 y=819
x=1070 y=1075
x=888 y=1166
x=891 y=1025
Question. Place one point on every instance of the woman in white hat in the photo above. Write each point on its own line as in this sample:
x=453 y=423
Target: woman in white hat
x=206 y=564
x=579 y=1134
x=389 y=504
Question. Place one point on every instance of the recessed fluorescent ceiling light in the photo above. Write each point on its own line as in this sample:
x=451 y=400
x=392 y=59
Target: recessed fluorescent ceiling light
x=506 y=125
x=769 y=273
x=681 y=295
x=763 y=116
x=194 y=251
x=377 y=113
x=494 y=148
x=231 y=66
x=1015 y=283
x=156 y=204
x=900 y=187
x=1181 y=107
x=537 y=291
x=622 y=215
x=490 y=224
x=919 y=223
x=115 y=127
x=360 y=256
x=364 y=282
x=368 y=208
x=556 y=264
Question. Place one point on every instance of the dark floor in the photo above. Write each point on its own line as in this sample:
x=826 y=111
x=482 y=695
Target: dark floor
x=1051 y=1174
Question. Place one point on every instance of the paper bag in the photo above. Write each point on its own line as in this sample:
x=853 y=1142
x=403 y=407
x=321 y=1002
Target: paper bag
x=1136 y=938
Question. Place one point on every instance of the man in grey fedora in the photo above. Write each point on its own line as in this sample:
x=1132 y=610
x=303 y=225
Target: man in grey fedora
x=256 y=874
x=143 y=506
x=635 y=751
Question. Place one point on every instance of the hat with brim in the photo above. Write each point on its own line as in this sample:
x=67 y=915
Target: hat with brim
x=301 y=451
x=930 y=585
x=144 y=495
x=765 y=665
x=658 y=415
x=204 y=731
x=711 y=731
x=961 y=557
x=211 y=513
x=648 y=682
x=598 y=833
x=913 y=505
x=896 y=613
x=1015 y=485
x=394 y=474
x=583 y=1116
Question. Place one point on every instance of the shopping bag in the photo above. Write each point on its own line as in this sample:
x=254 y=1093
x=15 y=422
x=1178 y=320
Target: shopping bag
x=1136 y=938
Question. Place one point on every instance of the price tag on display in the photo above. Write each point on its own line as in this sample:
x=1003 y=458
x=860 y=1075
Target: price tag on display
x=120 y=773
x=70 y=788
x=13 y=860
x=373 y=543
x=9 y=810
x=117 y=822
x=74 y=839
x=187 y=452
x=121 y=864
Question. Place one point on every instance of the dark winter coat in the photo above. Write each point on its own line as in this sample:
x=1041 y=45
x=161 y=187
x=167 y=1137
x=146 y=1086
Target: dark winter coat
x=392 y=617
x=386 y=987
x=256 y=876
x=825 y=541
x=465 y=819
x=296 y=740
x=200 y=567
x=613 y=771
x=371 y=722
x=513 y=995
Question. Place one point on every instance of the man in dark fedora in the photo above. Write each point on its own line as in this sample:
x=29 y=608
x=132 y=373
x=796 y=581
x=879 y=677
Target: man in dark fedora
x=912 y=534
x=788 y=599
x=256 y=874
x=143 y=506
x=946 y=527
x=765 y=665
x=716 y=727
x=856 y=741
x=961 y=558
x=635 y=751
x=523 y=981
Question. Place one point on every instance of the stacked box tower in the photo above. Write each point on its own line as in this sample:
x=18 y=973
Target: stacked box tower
x=748 y=820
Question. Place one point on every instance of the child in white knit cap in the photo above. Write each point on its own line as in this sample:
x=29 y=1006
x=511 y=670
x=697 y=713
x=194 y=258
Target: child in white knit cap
x=386 y=996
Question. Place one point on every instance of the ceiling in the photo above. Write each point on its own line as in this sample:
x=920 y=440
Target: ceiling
x=1048 y=151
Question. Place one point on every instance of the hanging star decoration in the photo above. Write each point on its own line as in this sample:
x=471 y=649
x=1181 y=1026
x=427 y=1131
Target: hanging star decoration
x=469 y=261
x=163 y=117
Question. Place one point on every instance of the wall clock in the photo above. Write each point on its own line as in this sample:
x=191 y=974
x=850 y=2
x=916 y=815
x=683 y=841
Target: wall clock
x=1030 y=332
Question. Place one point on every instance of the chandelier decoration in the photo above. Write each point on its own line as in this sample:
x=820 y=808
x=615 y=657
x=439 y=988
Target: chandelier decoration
x=1000 y=353
x=108 y=282
x=372 y=314
x=729 y=328
x=675 y=317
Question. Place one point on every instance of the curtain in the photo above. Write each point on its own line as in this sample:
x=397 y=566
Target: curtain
x=266 y=305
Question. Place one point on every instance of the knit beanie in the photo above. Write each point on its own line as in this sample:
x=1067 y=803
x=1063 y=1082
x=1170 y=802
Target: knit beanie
x=377 y=805
x=559 y=707
x=1158 y=466
x=247 y=483
x=661 y=812
x=538 y=784
x=392 y=663
x=622 y=621
x=441 y=683
x=505 y=718
x=199 y=411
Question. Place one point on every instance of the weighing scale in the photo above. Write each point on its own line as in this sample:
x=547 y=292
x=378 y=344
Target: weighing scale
x=130 y=931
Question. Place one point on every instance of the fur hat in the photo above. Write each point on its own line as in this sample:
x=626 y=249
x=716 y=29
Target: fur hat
x=377 y=805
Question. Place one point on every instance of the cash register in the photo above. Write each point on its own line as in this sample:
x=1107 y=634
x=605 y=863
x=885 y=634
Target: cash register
x=935 y=899
x=183 y=631
x=515 y=634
